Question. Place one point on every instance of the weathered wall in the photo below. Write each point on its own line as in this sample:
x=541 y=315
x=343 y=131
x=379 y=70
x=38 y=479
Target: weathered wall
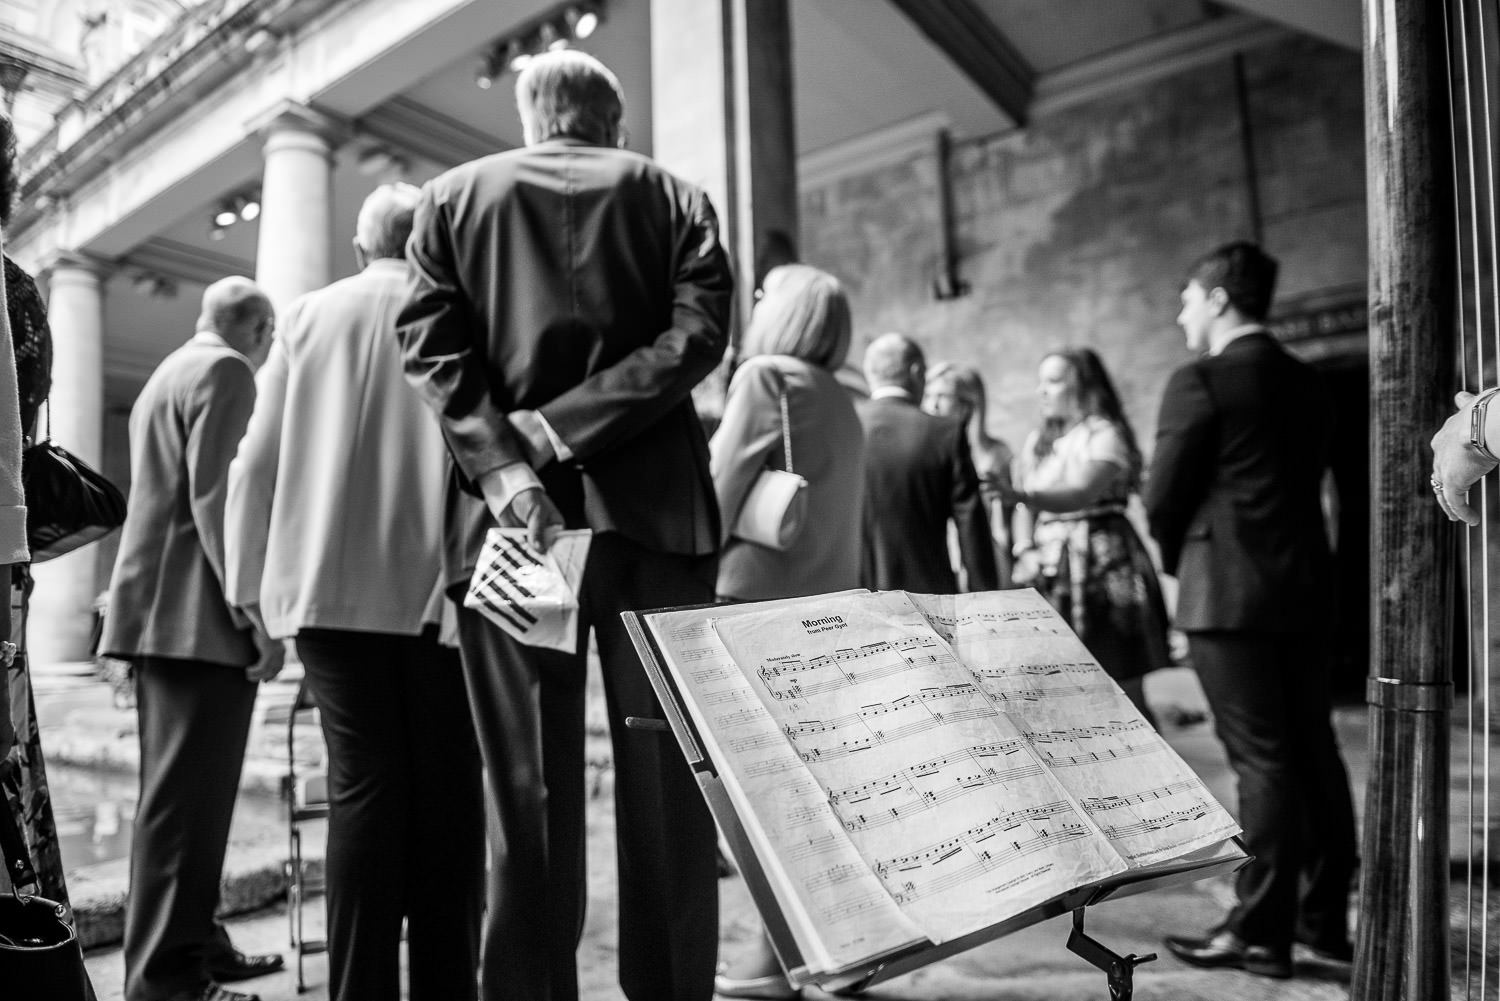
x=1077 y=230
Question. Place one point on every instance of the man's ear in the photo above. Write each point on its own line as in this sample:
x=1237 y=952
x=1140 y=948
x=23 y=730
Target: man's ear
x=1218 y=298
x=359 y=254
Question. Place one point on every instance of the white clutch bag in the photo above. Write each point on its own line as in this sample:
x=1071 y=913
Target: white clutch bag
x=775 y=508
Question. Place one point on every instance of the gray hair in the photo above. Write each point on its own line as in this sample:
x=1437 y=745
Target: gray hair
x=385 y=220
x=569 y=93
x=804 y=313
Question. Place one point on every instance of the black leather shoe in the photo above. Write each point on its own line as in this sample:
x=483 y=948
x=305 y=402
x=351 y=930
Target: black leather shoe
x=1228 y=950
x=236 y=965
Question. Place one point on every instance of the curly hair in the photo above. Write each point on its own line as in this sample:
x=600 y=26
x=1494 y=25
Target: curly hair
x=7 y=167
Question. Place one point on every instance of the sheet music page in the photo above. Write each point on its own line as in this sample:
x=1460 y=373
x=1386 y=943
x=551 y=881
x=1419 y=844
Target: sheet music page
x=892 y=727
x=765 y=778
x=1033 y=668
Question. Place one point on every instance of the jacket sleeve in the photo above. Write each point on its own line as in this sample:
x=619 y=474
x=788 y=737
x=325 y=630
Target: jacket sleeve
x=620 y=401
x=747 y=435
x=218 y=408
x=975 y=545
x=12 y=499
x=442 y=356
x=252 y=481
x=1183 y=462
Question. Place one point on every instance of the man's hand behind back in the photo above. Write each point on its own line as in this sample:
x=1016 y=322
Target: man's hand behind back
x=272 y=658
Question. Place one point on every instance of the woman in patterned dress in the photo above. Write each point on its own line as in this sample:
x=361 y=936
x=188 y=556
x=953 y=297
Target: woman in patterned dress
x=23 y=774
x=1074 y=543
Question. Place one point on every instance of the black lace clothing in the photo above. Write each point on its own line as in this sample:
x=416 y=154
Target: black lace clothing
x=33 y=342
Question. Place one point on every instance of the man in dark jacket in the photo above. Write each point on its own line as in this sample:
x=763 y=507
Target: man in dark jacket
x=918 y=475
x=1233 y=500
x=566 y=298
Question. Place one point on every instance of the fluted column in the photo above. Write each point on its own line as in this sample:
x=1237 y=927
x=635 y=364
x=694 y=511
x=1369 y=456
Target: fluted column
x=62 y=606
x=295 y=252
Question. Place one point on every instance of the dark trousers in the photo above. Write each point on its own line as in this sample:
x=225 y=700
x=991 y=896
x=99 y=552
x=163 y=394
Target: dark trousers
x=406 y=814
x=528 y=710
x=1269 y=696
x=194 y=718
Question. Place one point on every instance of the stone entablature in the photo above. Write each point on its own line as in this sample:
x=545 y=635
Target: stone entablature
x=158 y=84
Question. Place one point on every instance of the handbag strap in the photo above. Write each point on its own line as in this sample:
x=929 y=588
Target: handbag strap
x=786 y=420
x=18 y=867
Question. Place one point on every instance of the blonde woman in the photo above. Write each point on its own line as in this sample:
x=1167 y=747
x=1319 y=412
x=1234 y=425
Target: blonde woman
x=957 y=391
x=797 y=339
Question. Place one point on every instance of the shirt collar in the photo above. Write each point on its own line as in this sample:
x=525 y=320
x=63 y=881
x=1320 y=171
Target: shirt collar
x=213 y=339
x=1235 y=333
x=890 y=393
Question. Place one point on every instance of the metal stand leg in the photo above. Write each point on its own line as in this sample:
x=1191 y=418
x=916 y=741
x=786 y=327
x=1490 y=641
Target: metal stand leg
x=1119 y=969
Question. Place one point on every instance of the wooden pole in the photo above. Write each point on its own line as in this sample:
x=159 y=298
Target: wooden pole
x=1402 y=945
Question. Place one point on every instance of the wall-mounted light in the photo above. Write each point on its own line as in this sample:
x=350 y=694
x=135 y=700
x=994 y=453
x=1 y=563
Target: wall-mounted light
x=249 y=208
x=227 y=215
x=553 y=31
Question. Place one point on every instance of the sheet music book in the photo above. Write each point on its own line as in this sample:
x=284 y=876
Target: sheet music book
x=908 y=775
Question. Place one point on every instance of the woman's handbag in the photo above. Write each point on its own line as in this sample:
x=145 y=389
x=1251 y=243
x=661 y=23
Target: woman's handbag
x=40 y=958
x=68 y=503
x=775 y=508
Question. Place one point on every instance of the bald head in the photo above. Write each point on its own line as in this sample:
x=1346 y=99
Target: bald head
x=895 y=360
x=385 y=221
x=237 y=310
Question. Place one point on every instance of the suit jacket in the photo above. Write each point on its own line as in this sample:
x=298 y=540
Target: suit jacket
x=918 y=474
x=1233 y=492
x=588 y=284
x=335 y=509
x=166 y=597
x=827 y=450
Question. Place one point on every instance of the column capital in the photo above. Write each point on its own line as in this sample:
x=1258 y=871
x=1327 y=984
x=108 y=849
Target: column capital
x=293 y=118
x=76 y=261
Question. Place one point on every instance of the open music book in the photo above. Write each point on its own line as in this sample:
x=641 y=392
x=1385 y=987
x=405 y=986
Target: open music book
x=913 y=774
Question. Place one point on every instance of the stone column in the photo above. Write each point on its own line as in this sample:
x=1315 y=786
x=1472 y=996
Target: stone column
x=295 y=252
x=722 y=117
x=62 y=606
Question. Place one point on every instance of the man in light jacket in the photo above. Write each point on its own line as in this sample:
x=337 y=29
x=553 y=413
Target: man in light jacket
x=196 y=661
x=334 y=526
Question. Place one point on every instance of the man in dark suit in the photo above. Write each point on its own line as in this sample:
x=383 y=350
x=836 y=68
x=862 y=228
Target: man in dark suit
x=1233 y=500
x=918 y=475
x=196 y=660
x=566 y=298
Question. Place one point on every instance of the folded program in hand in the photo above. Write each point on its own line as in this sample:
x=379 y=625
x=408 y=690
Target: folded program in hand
x=531 y=595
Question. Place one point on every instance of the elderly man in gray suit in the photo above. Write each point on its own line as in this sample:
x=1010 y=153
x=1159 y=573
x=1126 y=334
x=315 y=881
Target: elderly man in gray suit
x=196 y=661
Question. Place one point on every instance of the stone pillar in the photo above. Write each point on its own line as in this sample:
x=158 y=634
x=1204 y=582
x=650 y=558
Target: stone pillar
x=722 y=117
x=62 y=607
x=295 y=252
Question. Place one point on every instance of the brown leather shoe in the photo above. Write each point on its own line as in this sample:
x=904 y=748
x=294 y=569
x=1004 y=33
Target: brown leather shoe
x=1226 y=949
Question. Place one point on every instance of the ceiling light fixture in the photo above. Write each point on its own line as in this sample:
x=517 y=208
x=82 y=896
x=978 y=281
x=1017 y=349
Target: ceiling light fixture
x=227 y=214
x=555 y=30
x=250 y=208
x=581 y=21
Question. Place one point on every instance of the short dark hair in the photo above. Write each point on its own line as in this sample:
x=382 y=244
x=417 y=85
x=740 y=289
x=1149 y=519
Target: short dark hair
x=1246 y=273
x=7 y=167
x=570 y=93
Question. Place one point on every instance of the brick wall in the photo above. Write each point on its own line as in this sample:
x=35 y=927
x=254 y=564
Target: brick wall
x=1077 y=229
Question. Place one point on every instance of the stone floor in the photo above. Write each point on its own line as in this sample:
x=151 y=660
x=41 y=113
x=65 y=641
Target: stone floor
x=82 y=725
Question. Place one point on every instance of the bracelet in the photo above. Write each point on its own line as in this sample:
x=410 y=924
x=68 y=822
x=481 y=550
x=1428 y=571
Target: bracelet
x=1476 y=423
x=8 y=651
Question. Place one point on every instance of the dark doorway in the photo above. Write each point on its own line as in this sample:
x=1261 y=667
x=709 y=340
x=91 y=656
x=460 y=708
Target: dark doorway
x=1347 y=378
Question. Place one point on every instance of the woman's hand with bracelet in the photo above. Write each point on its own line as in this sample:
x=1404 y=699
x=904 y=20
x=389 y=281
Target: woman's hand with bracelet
x=1461 y=454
